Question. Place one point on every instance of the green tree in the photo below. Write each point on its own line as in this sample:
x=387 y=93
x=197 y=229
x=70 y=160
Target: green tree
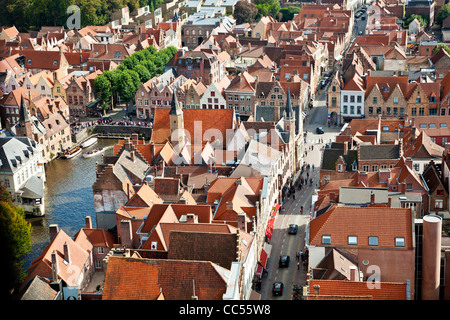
x=443 y=13
x=144 y=74
x=443 y=46
x=245 y=11
x=125 y=86
x=103 y=88
x=287 y=14
x=15 y=236
x=423 y=21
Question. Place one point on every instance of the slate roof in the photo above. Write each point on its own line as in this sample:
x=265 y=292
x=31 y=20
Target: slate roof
x=332 y=154
x=13 y=150
x=379 y=152
x=39 y=289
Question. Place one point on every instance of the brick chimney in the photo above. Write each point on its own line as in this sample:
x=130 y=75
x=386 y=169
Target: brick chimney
x=132 y=155
x=55 y=268
x=126 y=235
x=372 y=198
x=353 y=273
x=135 y=138
x=230 y=205
x=409 y=162
x=66 y=252
x=53 y=231
x=241 y=222
x=88 y=221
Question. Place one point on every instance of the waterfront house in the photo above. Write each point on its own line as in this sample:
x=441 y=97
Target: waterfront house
x=22 y=172
x=116 y=179
x=65 y=261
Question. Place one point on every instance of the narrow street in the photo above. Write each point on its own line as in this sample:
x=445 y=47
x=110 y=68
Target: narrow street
x=282 y=242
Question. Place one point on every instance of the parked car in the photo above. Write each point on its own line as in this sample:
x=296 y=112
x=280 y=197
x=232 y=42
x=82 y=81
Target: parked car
x=319 y=130
x=284 y=261
x=293 y=229
x=277 y=288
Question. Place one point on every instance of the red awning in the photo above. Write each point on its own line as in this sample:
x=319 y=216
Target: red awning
x=269 y=228
x=263 y=258
x=259 y=271
x=277 y=207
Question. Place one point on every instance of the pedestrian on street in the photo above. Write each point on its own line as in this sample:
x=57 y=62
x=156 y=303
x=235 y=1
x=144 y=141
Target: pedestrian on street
x=298 y=265
x=298 y=255
x=301 y=256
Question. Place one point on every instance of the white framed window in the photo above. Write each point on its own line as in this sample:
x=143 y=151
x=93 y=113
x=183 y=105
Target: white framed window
x=352 y=240
x=326 y=239
x=399 y=241
x=373 y=241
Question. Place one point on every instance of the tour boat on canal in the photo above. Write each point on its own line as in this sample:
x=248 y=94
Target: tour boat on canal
x=89 y=142
x=72 y=153
x=93 y=152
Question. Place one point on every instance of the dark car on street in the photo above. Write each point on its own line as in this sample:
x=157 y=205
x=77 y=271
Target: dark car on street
x=292 y=229
x=277 y=288
x=319 y=130
x=284 y=262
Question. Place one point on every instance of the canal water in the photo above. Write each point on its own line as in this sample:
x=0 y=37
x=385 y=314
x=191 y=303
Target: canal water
x=68 y=197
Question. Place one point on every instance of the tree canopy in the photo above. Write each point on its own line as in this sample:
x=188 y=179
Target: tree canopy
x=34 y=14
x=15 y=237
x=245 y=12
x=138 y=68
x=443 y=13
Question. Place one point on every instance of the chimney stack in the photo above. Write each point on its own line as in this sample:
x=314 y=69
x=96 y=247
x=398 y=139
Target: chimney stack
x=431 y=257
x=88 y=221
x=132 y=155
x=55 y=269
x=53 y=231
x=241 y=222
x=409 y=162
x=66 y=252
x=135 y=138
x=126 y=235
x=372 y=197
x=353 y=273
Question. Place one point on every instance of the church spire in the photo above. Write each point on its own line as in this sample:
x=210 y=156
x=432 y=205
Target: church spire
x=289 y=110
x=175 y=105
x=24 y=115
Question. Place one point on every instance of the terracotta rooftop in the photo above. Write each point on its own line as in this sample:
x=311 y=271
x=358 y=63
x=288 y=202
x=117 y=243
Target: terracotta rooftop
x=149 y=279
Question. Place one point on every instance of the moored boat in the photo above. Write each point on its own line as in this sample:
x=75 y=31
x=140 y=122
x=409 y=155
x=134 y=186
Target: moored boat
x=89 y=142
x=93 y=152
x=72 y=153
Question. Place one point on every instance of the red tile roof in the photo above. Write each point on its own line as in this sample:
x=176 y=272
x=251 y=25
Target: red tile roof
x=201 y=119
x=340 y=222
x=356 y=290
x=148 y=279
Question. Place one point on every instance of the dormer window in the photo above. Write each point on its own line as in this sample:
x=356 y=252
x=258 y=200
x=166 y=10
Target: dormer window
x=29 y=61
x=326 y=239
x=399 y=241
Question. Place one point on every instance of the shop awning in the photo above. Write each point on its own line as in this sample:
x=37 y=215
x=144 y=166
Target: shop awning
x=263 y=258
x=269 y=229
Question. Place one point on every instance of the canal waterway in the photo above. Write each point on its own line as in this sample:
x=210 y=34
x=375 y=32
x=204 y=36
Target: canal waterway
x=68 y=197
